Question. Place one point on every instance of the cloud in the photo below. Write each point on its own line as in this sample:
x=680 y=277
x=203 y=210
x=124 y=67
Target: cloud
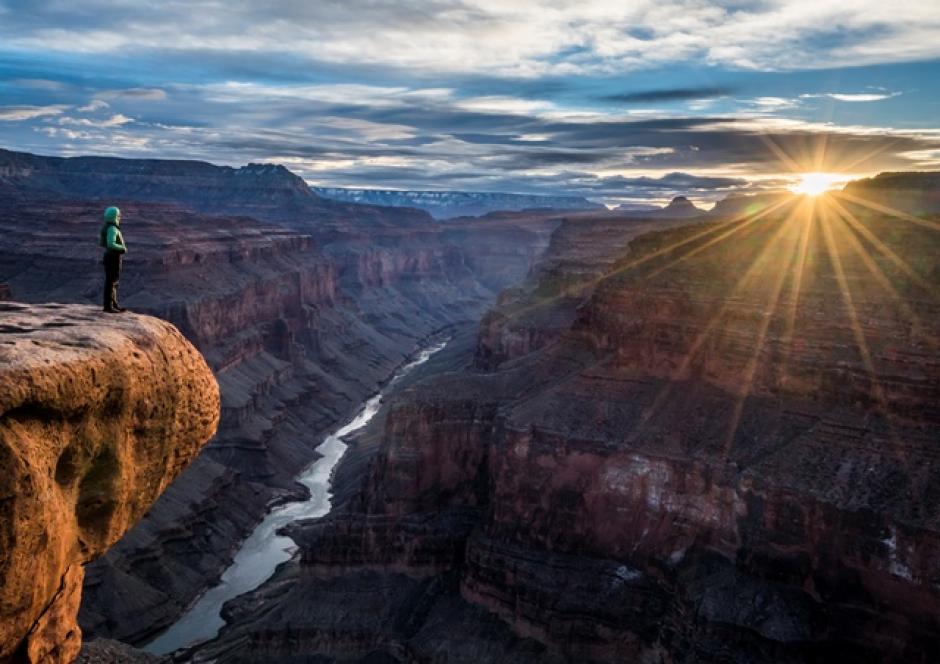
x=773 y=104
x=38 y=83
x=853 y=97
x=521 y=38
x=677 y=181
x=505 y=104
x=370 y=131
x=142 y=94
x=668 y=94
x=20 y=113
x=402 y=136
x=114 y=121
x=396 y=136
x=94 y=105
x=648 y=154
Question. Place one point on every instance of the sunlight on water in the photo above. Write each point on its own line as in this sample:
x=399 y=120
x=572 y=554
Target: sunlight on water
x=264 y=549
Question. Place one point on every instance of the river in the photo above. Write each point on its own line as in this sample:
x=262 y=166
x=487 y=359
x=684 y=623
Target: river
x=264 y=549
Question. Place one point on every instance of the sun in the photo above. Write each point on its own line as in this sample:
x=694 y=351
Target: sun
x=813 y=184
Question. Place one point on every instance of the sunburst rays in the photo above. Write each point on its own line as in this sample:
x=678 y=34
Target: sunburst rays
x=747 y=279
x=848 y=301
x=890 y=211
x=712 y=235
x=775 y=280
x=801 y=217
x=824 y=244
x=848 y=229
x=799 y=268
x=883 y=248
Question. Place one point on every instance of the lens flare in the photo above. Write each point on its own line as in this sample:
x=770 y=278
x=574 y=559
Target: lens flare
x=813 y=184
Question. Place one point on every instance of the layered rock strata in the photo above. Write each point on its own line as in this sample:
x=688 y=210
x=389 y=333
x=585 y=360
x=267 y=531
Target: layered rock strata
x=302 y=307
x=724 y=450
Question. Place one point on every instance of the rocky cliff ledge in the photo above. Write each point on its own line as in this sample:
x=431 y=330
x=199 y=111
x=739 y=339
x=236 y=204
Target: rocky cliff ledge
x=97 y=416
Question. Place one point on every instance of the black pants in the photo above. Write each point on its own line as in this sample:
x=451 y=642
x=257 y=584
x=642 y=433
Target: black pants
x=112 y=274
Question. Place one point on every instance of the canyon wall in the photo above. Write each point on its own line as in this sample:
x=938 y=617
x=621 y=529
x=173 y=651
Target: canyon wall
x=98 y=414
x=707 y=443
x=302 y=307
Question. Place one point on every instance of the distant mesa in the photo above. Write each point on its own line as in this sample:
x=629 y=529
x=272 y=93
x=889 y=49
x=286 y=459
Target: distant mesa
x=908 y=180
x=451 y=204
x=911 y=193
x=679 y=207
x=741 y=204
x=636 y=207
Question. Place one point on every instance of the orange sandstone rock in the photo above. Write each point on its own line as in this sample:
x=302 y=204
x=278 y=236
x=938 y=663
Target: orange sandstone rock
x=98 y=414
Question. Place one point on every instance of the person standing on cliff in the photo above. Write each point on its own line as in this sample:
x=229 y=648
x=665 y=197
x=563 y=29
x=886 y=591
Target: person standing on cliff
x=112 y=242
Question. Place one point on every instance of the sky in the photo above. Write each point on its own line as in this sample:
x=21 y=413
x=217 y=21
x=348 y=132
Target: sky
x=619 y=101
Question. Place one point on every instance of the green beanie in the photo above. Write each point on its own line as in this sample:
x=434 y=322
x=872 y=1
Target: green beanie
x=112 y=215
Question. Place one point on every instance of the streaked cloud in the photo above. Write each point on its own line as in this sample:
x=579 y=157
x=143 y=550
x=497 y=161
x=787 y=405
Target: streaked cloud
x=668 y=94
x=93 y=105
x=20 y=113
x=141 y=94
x=37 y=83
x=853 y=96
x=768 y=104
x=114 y=121
x=521 y=38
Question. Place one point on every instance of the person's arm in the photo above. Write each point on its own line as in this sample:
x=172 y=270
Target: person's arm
x=115 y=240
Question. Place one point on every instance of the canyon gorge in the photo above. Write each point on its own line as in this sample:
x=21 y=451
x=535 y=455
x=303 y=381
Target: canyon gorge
x=651 y=439
x=713 y=442
x=302 y=307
